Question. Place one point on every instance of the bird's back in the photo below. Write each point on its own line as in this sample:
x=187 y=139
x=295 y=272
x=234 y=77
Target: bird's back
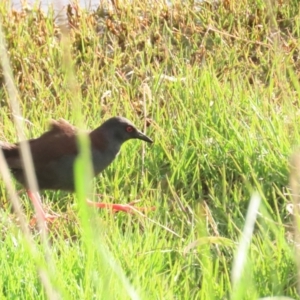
x=48 y=151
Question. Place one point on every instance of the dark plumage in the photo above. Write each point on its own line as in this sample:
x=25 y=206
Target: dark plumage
x=54 y=152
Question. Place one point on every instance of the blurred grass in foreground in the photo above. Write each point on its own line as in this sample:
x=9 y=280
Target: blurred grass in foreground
x=223 y=111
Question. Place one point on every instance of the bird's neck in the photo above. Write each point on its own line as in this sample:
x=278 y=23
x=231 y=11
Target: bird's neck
x=104 y=150
x=102 y=142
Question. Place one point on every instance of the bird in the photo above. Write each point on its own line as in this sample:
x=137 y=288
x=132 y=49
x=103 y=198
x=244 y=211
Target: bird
x=55 y=151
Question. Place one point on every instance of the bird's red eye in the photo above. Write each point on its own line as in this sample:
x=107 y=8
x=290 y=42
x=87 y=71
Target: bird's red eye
x=129 y=129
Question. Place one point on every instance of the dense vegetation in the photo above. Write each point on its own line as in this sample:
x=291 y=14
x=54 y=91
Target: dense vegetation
x=217 y=85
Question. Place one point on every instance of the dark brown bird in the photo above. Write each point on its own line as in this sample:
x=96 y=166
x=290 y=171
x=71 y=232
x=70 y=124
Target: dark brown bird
x=55 y=151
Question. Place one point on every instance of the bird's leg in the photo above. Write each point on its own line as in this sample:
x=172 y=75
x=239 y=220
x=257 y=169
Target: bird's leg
x=129 y=208
x=37 y=203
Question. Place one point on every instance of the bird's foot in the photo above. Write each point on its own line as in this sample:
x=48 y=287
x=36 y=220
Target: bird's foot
x=45 y=218
x=41 y=214
x=128 y=208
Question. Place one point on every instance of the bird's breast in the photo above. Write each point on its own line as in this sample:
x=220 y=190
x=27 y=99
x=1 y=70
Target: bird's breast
x=101 y=160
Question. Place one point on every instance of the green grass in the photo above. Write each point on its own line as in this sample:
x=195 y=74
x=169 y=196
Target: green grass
x=219 y=86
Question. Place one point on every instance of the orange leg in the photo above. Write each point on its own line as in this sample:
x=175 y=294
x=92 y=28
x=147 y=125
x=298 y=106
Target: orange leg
x=129 y=208
x=37 y=203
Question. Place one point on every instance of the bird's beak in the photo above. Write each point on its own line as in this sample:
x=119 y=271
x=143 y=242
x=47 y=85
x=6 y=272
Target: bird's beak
x=141 y=136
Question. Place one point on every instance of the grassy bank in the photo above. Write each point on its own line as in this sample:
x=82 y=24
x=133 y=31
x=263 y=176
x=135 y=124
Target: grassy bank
x=218 y=85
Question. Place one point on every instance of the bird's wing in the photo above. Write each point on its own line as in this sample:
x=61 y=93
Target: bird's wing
x=59 y=141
